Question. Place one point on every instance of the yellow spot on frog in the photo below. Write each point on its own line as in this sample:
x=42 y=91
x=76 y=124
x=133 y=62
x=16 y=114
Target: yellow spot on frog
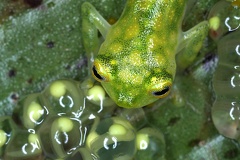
x=154 y=79
x=127 y=76
x=155 y=42
x=115 y=48
x=134 y=59
x=172 y=35
x=160 y=60
x=132 y=31
x=158 y=25
x=113 y=62
x=145 y=5
x=168 y=52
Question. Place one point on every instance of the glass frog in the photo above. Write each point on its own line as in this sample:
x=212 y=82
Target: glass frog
x=136 y=63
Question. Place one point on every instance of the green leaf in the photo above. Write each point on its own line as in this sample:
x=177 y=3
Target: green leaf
x=43 y=44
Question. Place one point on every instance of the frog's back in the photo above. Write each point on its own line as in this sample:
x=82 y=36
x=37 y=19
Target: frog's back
x=154 y=13
x=147 y=27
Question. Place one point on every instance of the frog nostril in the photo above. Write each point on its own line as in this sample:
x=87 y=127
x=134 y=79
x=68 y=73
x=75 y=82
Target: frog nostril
x=97 y=75
x=161 y=93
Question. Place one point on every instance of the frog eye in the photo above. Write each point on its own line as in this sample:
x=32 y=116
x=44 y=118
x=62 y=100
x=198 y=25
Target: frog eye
x=162 y=93
x=97 y=75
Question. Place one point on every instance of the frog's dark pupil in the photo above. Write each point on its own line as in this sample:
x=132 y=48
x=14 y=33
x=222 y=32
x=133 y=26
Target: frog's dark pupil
x=98 y=76
x=162 y=92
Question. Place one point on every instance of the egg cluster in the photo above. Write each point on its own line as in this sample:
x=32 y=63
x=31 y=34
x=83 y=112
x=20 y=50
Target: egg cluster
x=225 y=110
x=68 y=122
x=224 y=25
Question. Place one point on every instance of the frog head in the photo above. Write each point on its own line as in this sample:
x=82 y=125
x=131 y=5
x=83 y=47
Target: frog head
x=131 y=85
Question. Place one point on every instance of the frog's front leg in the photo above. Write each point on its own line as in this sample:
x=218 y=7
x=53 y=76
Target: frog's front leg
x=191 y=43
x=92 y=21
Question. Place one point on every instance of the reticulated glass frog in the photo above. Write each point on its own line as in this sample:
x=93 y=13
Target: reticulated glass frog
x=136 y=63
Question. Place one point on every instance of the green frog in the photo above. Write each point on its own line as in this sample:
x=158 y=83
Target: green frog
x=136 y=63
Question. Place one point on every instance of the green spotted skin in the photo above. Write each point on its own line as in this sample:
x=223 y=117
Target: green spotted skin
x=136 y=63
x=138 y=56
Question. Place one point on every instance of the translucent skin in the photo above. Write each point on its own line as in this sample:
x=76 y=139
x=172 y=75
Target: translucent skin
x=136 y=63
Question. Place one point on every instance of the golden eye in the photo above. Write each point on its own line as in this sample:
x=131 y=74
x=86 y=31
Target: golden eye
x=162 y=93
x=97 y=75
x=160 y=88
